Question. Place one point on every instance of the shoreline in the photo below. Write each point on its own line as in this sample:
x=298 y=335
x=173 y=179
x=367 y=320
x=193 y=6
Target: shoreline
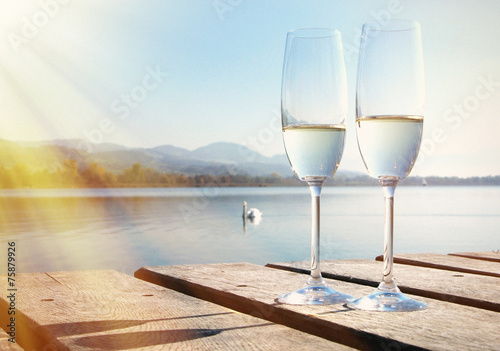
x=235 y=185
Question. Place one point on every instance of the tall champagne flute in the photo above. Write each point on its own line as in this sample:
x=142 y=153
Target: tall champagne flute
x=314 y=108
x=389 y=122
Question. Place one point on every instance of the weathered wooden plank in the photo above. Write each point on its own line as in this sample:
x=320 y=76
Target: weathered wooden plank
x=107 y=310
x=448 y=262
x=486 y=256
x=253 y=290
x=7 y=345
x=428 y=282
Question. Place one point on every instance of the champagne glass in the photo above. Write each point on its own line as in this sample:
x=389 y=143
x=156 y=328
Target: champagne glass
x=314 y=109
x=389 y=122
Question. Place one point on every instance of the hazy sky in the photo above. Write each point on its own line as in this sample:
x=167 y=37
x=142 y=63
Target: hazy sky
x=189 y=73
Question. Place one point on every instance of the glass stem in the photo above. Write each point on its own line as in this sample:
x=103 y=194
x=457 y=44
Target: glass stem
x=315 y=188
x=389 y=187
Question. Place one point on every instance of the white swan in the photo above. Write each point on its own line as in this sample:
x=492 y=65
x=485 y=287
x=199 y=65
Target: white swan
x=251 y=213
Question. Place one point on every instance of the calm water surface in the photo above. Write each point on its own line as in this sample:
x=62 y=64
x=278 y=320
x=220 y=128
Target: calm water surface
x=125 y=229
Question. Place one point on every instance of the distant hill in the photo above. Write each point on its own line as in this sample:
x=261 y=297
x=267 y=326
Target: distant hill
x=217 y=158
x=214 y=159
x=39 y=157
x=171 y=150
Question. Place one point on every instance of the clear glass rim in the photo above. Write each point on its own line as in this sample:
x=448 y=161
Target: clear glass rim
x=393 y=25
x=313 y=33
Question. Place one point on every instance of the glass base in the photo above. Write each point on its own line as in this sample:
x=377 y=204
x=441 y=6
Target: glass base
x=387 y=298
x=314 y=293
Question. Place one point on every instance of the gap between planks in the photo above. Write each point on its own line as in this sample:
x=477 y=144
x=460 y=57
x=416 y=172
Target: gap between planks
x=421 y=281
x=252 y=290
x=449 y=263
x=108 y=310
x=485 y=256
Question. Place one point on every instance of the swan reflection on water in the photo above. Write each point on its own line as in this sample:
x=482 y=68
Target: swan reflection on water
x=254 y=215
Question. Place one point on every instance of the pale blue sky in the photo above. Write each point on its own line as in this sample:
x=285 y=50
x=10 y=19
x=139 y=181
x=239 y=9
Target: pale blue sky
x=189 y=73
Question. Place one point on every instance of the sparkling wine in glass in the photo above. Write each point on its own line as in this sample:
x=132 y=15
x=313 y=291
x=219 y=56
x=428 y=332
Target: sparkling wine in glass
x=389 y=122
x=314 y=109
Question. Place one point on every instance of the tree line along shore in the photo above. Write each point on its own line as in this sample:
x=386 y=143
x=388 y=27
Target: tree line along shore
x=71 y=175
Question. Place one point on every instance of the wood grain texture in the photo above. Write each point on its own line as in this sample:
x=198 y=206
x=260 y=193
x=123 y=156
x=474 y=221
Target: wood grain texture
x=5 y=344
x=253 y=290
x=485 y=256
x=449 y=263
x=107 y=310
x=437 y=284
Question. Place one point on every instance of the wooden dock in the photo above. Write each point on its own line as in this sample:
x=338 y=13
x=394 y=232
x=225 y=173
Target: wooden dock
x=233 y=306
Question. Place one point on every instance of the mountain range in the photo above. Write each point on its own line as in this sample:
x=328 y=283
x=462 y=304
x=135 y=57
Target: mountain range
x=219 y=158
x=216 y=158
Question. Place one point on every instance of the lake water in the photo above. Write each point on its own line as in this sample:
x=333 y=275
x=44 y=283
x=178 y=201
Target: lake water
x=125 y=229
